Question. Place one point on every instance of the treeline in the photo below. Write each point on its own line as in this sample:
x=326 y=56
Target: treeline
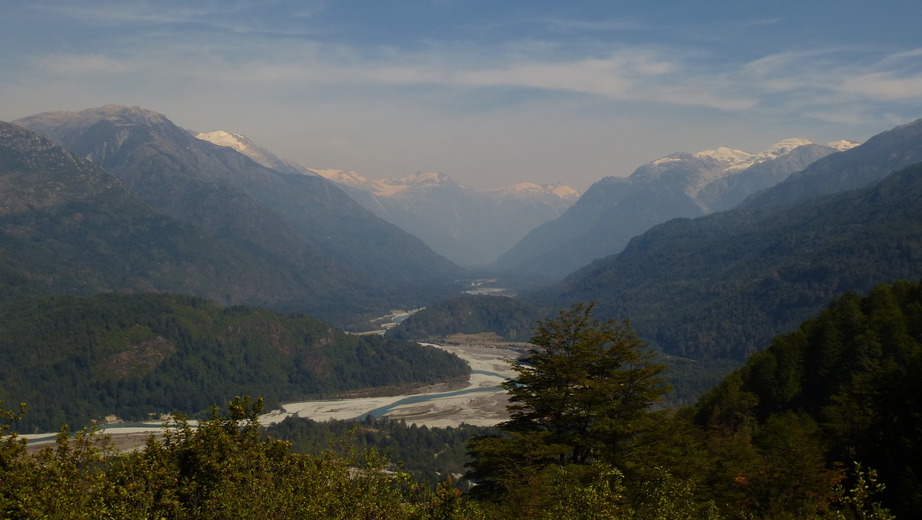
x=843 y=387
x=724 y=285
x=220 y=469
x=509 y=318
x=430 y=455
x=513 y=320
x=75 y=359
x=822 y=424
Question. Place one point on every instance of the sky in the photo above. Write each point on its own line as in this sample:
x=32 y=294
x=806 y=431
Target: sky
x=490 y=93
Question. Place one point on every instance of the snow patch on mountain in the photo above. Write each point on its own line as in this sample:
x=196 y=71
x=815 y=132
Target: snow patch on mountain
x=228 y=139
x=706 y=167
x=528 y=189
x=355 y=180
x=728 y=155
x=244 y=145
x=425 y=179
x=843 y=144
x=672 y=158
x=738 y=160
x=387 y=187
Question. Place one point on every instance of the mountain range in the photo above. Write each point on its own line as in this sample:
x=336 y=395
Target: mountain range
x=468 y=226
x=709 y=255
x=615 y=209
x=211 y=221
x=68 y=226
x=302 y=225
x=723 y=285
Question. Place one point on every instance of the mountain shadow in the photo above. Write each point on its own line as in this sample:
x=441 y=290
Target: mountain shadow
x=722 y=286
x=304 y=222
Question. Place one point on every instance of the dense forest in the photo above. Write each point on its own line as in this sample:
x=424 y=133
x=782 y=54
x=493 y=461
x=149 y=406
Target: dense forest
x=822 y=424
x=724 y=285
x=510 y=319
x=74 y=359
x=843 y=387
x=430 y=455
x=513 y=319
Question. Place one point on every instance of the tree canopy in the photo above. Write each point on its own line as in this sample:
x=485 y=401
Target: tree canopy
x=582 y=394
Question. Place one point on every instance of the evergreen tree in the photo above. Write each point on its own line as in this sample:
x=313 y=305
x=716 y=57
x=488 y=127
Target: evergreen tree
x=582 y=394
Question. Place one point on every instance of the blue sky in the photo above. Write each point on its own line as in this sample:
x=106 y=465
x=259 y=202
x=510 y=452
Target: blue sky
x=489 y=92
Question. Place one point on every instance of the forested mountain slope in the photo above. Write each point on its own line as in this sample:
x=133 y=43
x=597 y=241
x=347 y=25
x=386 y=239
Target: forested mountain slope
x=68 y=226
x=509 y=318
x=303 y=221
x=73 y=359
x=880 y=156
x=615 y=209
x=725 y=284
x=842 y=387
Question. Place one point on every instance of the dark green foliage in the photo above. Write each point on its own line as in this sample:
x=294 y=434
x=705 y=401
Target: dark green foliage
x=329 y=246
x=574 y=438
x=428 y=454
x=511 y=319
x=722 y=286
x=67 y=226
x=221 y=468
x=79 y=358
x=690 y=378
x=863 y=165
x=846 y=383
x=582 y=394
x=588 y=384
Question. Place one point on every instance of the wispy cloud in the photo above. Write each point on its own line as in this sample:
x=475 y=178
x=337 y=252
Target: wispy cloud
x=897 y=77
x=234 y=16
x=844 y=76
x=628 y=74
x=251 y=50
x=376 y=81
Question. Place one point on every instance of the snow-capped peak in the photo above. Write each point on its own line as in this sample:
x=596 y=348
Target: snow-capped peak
x=228 y=139
x=725 y=154
x=843 y=144
x=422 y=179
x=784 y=147
x=342 y=177
x=354 y=180
x=244 y=145
x=779 y=149
x=718 y=163
x=527 y=188
x=739 y=160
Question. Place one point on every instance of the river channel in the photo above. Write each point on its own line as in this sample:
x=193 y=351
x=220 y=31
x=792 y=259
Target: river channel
x=482 y=402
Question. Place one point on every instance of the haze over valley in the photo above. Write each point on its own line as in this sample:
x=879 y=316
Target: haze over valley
x=138 y=260
x=460 y=260
x=247 y=227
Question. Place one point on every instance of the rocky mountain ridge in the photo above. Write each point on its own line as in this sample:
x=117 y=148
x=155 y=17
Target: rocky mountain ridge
x=304 y=223
x=615 y=209
x=468 y=226
x=724 y=284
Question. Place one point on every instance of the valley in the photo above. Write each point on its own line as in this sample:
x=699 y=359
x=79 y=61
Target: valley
x=455 y=260
x=480 y=401
x=145 y=270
